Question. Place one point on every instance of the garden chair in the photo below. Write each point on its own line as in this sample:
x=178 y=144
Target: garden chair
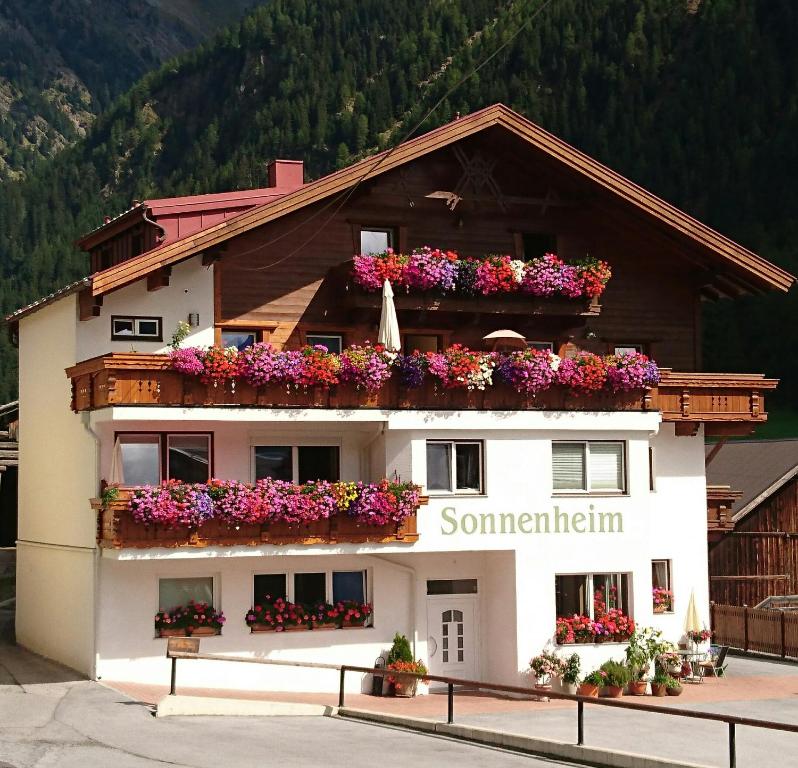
x=715 y=666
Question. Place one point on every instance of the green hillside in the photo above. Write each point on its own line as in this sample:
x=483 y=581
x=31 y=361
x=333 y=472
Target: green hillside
x=697 y=101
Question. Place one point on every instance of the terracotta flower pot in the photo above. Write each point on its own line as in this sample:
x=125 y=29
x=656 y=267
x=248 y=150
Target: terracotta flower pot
x=204 y=631
x=172 y=632
x=659 y=689
x=261 y=628
x=675 y=691
x=638 y=687
x=586 y=689
x=612 y=691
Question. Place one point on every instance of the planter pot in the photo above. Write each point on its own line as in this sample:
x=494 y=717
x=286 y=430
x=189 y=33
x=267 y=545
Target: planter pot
x=586 y=689
x=583 y=641
x=612 y=691
x=405 y=687
x=204 y=631
x=299 y=628
x=675 y=691
x=352 y=625
x=569 y=688
x=172 y=633
x=638 y=687
x=675 y=669
x=659 y=689
x=603 y=639
x=261 y=628
x=318 y=627
x=541 y=691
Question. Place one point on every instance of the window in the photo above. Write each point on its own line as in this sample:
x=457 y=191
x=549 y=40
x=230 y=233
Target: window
x=333 y=341
x=269 y=586
x=239 y=339
x=188 y=458
x=538 y=243
x=592 y=467
x=311 y=588
x=349 y=585
x=172 y=593
x=297 y=464
x=376 y=239
x=451 y=586
x=422 y=342
x=144 y=459
x=136 y=329
x=628 y=349
x=662 y=589
x=546 y=346
x=454 y=466
x=592 y=594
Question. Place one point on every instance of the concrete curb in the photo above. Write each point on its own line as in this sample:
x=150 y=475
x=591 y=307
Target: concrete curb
x=170 y=706
x=593 y=756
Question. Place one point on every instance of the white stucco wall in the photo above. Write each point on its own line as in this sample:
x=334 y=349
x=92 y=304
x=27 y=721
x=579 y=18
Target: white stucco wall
x=190 y=289
x=58 y=476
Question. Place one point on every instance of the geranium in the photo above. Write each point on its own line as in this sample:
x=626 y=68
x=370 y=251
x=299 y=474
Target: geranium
x=188 y=360
x=544 y=276
x=367 y=367
x=662 y=599
x=699 y=635
x=429 y=268
x=631 y=370
x=403 y=681
x=460 y=368
x=384 y=502
x=575 y=629
x=594 y=275
x=258 y=364
x=220 y=364
x=412 y=369
x=495 y=275
x=171 y=505
x=586 y=373
x=318 y=368
x=277 y=613
x=370 y=271
x=239 y=504
x=189 y=617
x=528 y=371
x=545 y=666
x=615 y=625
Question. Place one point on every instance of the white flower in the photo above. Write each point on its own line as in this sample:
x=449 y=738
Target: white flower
x=554 y=361
x=518 y=267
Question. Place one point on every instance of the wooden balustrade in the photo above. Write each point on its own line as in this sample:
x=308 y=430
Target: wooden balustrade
x=116 y=529
x=725 y=403
x=761 y=630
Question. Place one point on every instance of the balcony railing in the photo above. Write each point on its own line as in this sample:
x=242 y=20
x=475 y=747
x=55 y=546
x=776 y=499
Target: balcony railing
x=116 y=529
x=725 y=403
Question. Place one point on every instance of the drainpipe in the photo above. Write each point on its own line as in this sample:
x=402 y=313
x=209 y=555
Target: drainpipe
x=85 y=419
x=159 y=238
x=411 y=572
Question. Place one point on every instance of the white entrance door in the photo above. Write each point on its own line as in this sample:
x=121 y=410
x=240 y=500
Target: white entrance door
x=452 y=642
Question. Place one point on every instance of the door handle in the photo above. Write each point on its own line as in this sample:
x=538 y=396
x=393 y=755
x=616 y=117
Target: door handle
x=434 y=643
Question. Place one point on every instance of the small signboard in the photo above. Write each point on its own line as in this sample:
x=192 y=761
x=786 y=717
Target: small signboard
x=182 y=645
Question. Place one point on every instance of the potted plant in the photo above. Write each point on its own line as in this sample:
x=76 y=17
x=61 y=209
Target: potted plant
x=643 y=647
x=659 y=684
x=668 y=660
x=203 y=619
x=616 y=676
x=404 y=685
x=662 y=599
x=544 y=667
x=591 y=683
x=173 y=623
x=673 y=687
x=569 y=675
x=276 y=615
x=698 y=636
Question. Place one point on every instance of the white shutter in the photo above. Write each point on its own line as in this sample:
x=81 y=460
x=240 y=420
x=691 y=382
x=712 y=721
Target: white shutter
x=568 y=466
x=606 y=466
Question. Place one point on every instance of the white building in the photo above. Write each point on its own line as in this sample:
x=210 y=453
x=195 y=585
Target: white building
x=533 y=505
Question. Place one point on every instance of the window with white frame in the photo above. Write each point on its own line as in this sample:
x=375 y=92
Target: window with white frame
x=545 y=346
x=455 y=466
x=334 y=342
x=130 y=328
x=628 y=349
x=376 y=239
x=147 y=458
x=662 y=588
x=592 y=466
x=177 y=592
x=239 y=338
x=592 y=594
x=297 y=463
x=312 y=587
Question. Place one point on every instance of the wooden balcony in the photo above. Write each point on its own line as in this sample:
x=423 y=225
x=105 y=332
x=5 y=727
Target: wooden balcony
x=500 y=304
x=726 y=404
x=720 y=499
x=116 y=529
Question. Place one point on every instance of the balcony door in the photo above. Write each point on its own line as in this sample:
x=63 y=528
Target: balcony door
x=453 y=639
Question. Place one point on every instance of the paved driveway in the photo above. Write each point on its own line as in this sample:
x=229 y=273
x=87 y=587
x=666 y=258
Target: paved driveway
x=50 y=719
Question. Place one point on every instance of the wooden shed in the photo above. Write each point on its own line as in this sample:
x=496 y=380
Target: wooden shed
x=753 y=549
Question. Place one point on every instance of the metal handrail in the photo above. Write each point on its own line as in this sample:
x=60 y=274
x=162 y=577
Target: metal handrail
x=732 y=721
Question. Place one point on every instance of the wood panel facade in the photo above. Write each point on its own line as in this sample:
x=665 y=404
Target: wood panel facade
x=759 y=557
x=289 y=272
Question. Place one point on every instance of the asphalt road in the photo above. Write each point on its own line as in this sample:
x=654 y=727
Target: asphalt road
x=49 y=718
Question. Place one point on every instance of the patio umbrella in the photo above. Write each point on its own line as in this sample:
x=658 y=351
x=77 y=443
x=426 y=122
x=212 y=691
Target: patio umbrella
x=388 y=335
x=505 y=339
x=692 y=621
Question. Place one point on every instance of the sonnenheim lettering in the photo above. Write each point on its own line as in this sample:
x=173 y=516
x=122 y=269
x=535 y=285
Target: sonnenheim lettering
x=511 y=523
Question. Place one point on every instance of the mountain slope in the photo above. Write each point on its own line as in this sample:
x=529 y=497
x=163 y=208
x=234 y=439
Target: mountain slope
x=62 y=62
x=699 y=103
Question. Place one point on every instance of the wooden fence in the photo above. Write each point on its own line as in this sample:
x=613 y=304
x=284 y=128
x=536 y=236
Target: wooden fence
x=756 y=629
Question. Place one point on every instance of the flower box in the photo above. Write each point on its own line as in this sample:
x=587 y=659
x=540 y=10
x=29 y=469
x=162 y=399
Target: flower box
x=204 y=631
x=172 y=632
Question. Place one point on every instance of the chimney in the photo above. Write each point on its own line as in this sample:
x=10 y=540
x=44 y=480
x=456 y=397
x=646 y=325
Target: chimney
x=286 y=174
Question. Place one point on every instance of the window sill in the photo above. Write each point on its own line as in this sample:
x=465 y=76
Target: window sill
x=264 y=630
x=460 y=495
x=589 y=495
x=664 y=613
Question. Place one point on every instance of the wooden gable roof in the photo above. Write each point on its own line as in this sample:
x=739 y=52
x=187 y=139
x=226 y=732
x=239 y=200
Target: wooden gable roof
x=754 y=272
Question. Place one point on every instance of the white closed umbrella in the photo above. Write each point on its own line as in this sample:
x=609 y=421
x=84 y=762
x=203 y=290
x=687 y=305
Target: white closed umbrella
x=692 y=621
x=389 y=325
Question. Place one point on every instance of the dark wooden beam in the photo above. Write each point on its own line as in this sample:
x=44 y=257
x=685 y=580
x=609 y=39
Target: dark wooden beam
x=729 y=429
x=159 y=279
x=687 y=428
x=212 y=255
x=89 y=306
x=715 y=450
